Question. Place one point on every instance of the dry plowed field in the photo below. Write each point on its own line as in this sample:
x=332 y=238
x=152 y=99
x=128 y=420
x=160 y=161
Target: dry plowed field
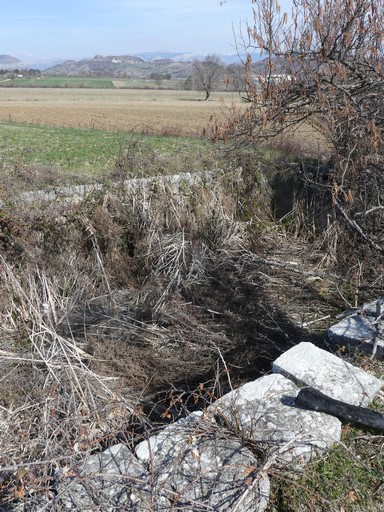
x=152 y=111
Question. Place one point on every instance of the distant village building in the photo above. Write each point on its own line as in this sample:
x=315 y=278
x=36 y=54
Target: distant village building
x=276 y=78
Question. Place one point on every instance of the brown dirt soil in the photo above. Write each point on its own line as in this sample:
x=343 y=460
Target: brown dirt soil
x=152 y=111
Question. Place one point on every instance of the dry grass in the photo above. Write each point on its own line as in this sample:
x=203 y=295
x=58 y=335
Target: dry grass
x=95 y=319
x=126 y=311
x=150 y=111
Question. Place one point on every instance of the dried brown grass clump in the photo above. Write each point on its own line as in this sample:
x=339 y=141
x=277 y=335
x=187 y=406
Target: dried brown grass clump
x=96 y=319
x=54 y=406
x=136 y=159
x=128 y=309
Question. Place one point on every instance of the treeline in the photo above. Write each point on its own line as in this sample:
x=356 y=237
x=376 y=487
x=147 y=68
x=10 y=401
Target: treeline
x=32 y=73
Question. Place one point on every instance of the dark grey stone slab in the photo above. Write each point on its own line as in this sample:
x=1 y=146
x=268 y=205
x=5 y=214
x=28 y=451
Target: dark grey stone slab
x=357 y=331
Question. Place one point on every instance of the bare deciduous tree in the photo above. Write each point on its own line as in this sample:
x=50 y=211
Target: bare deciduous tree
x=206 y=73
x=323 y=66
x=235 y=77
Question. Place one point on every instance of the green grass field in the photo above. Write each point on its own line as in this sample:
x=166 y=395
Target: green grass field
x=68 y=148
x=51 y=135
x=63 y=82
x=88 y=83
x=62 y=154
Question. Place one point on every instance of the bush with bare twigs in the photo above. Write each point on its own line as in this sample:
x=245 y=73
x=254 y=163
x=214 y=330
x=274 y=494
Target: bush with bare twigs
x=323 y=68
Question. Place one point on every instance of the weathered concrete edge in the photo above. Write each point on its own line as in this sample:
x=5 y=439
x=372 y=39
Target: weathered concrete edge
x=81 y=192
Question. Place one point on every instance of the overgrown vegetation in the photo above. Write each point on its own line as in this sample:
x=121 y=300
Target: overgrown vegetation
x=123 y=312
x=323 y=67
x=127 y=270
x=138 y=303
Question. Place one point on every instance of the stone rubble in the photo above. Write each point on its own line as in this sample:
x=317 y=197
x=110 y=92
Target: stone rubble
x=201 y=463
x=77 y=193
x=362 y=328
x=264 y=411
x=203 y=466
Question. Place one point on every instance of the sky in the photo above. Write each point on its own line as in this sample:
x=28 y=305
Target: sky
x=42 y=29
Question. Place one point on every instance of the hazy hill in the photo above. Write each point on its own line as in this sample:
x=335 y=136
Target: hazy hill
x=139 y=65
x=231 y=58
x=7 y=61
x=124 y=66
x=143 y=65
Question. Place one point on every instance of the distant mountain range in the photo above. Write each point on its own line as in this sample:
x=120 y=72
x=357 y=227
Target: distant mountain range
x=10 y=62
x=232 y=58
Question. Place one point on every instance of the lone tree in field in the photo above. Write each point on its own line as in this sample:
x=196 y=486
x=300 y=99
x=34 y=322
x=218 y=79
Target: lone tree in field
x=206 y=74
x=323 y=66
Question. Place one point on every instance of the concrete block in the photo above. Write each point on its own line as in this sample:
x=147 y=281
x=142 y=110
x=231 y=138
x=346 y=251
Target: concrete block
x=308 y=365
x=264 y=411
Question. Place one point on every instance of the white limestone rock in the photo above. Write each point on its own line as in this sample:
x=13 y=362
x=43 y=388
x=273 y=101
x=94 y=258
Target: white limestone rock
x=308 y=365
x=198 y=466
x=264 y=411
x=108 y=481
x=357 y=331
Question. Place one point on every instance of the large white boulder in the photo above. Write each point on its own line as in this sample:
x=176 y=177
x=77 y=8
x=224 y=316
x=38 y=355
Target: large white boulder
x=264 y=412
x=308 y=365
x=196 y=465
x=108 y=481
